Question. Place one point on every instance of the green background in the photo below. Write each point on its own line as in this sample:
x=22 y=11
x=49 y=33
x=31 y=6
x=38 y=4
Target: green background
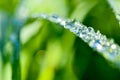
x=40 y=50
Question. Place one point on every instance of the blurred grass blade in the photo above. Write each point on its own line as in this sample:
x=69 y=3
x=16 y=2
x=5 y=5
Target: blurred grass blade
x=0 y=49
x=38 y=38
x=3 y=26
x=48 y=6
x=82 y=8
x=4 y=23
x=115 y=5
x=15 y=40
x=51 y=61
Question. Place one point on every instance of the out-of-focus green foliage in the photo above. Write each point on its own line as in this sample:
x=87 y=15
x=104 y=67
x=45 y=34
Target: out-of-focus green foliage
x=49 y=52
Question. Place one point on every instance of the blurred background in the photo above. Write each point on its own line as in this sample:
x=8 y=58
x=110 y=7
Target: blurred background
x=40 y=50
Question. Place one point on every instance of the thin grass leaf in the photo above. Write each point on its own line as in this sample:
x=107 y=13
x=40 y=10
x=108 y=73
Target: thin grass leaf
x=115 y=5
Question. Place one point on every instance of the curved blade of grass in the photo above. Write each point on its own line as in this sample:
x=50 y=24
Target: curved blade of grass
x=106 y=48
